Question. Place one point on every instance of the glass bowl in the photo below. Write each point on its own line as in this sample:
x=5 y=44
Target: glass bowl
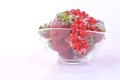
x=57 y=41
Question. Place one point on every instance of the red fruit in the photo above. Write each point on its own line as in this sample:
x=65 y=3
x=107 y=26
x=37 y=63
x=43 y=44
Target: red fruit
x=83 y=41
x=75 y=45
x=60 y=46
x=66 y=54
x=68 y=26
x=74 y=29
x=78 y=12
x=82 y=33
x=67 y=39
x=85 y=45
x=77 y=20
x=74 y=24
x=78 y=48
x=82 y=25
x=86 y=15
x=92 y=20
x=83 y=52
x=73 y=12
x=57 y=24
x=74 y=39
x=83 y=15
x=92 y=28
x=56 y=35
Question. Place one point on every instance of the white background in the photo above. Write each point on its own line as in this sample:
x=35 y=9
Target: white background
x=22 y=56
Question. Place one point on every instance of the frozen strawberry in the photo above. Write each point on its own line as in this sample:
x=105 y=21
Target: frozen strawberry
x=67 y=39
x=60 y=46
x=57 y=34
x=66 y=54
x=57 y=24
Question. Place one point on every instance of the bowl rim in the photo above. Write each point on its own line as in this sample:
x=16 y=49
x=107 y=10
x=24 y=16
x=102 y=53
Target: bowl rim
x=68 y=29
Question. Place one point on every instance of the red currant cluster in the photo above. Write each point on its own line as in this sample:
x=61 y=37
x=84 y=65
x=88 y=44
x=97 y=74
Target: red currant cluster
x=80 y=24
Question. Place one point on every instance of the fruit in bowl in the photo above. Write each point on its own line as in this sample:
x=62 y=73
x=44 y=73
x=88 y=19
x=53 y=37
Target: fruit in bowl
x=73 y=35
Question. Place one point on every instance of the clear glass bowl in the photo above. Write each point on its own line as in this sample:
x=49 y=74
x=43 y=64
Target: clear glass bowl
x=58 y=40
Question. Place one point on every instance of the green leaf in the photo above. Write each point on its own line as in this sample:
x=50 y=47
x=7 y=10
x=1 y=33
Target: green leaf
x=63 y=19
x=102 y=28
x=70 y=20
x=60 y=19
x=91 y=40
x=43 y=27
x=67 y=22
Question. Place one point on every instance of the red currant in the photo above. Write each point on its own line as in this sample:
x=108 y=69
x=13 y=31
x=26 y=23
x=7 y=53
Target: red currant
x=80 y=23
x=75 y=44
x=78 y=48
x=82 y=33
x=82 y=26
x=84 y=45
x=78 y=11
x=92 y=20
x=74 y=24
x=83 y=41
x=73 y=12
x=77 y=20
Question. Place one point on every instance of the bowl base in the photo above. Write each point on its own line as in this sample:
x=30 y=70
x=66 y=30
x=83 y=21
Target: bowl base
x=73 y=61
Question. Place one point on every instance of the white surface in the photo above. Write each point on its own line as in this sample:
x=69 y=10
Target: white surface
x=22 y=56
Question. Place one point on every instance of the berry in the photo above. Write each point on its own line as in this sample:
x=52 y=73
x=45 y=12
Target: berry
x=84 y=45
x=83 y=41
x=73 y=12
x=67 y=39
x=82 y=33
x=60 y=46
x=66 y=54
x=78 y=30
x=78 y=12
x=92 y=20
x=82 y=25
x=74 y=30
x=56 y=35
x=75 y=45
x=82 y=52
x=73 y=37
x=77 y=21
